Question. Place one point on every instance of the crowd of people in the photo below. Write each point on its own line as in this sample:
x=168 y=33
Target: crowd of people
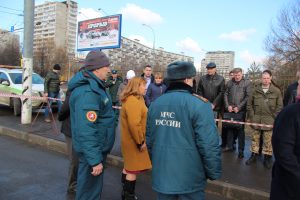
x=168 y=126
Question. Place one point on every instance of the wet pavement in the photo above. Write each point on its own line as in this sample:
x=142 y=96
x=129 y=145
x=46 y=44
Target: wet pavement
x=234 y=170
x=30 y=172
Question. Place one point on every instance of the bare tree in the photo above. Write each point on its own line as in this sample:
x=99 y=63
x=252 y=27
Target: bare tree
x=49 y=54
x=60 y=56
x=283 y=42
x=283 y=73
x=10 y=52
x=39 y=58
x=283 y=45
x=254 y=72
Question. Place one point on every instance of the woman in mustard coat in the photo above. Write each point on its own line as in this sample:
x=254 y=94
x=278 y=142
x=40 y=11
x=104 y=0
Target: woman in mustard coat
x=133 y=131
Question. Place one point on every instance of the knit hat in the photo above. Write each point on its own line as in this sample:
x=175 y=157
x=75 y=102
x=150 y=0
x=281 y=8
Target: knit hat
x=130 y=74
x=211 y=65
x=56 y=67
x=180 y=70
x=95 y=60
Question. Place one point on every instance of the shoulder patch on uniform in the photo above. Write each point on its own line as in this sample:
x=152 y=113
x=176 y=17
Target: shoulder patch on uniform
x=91 y=116
x=200 y=97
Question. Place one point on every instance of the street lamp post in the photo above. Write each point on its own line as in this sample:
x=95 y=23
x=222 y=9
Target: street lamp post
x=40 y=42
x=124 y=53
x=81 y=13
x=101 y=10
x=153 y=42
x=182 y=53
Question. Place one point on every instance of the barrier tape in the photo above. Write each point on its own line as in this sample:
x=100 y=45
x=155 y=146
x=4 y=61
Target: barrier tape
x=245 y=123
x=26 y=96
x=119 y=108
x=228 y=121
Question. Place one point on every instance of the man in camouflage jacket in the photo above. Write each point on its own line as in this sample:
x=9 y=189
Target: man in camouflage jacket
x=263 y=106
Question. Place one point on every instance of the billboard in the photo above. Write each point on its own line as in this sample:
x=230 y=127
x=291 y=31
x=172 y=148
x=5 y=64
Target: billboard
x=99 y=33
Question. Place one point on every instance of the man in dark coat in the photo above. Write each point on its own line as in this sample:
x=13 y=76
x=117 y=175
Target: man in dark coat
x=51 y=89
x=292 y=91
x=64 y=116
x=113 y=83
x=212 y=86
x=224 y=129
x=147 y=75
x=286 y=146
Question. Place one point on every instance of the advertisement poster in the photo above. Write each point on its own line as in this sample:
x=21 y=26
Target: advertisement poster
x=99 y=33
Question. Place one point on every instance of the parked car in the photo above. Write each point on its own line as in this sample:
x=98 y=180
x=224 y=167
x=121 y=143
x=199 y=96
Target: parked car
x=93 y=35
x=11 y=83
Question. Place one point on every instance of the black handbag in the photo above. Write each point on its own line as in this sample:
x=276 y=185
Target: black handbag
x=233 y=117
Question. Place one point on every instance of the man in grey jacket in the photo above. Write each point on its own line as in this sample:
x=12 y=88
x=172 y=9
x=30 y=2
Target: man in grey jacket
x=235 y=98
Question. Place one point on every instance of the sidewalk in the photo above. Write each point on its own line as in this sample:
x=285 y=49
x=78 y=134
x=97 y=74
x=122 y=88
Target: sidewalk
x=238 y=181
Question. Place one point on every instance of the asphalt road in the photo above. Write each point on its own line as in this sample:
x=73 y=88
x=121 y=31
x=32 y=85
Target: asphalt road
x=32 y=173
x=234 y=170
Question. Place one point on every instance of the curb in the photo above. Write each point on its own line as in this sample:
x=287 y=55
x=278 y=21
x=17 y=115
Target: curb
x=235 y=192
x=219 y=188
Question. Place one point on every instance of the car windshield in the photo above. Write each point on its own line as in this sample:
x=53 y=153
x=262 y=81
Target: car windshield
x=17 y=78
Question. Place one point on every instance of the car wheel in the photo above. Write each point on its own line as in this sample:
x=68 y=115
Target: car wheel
x=17 y=106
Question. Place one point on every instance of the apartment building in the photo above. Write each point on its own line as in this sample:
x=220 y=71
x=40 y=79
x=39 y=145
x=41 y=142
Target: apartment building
x=223 y=59
x=55 y=23
x=134 y=55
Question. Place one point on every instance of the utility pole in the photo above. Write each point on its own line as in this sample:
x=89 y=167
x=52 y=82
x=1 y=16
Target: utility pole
x=28 y=61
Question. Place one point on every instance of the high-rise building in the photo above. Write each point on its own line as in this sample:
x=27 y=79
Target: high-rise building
x=223 y=59
x=55 y=23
